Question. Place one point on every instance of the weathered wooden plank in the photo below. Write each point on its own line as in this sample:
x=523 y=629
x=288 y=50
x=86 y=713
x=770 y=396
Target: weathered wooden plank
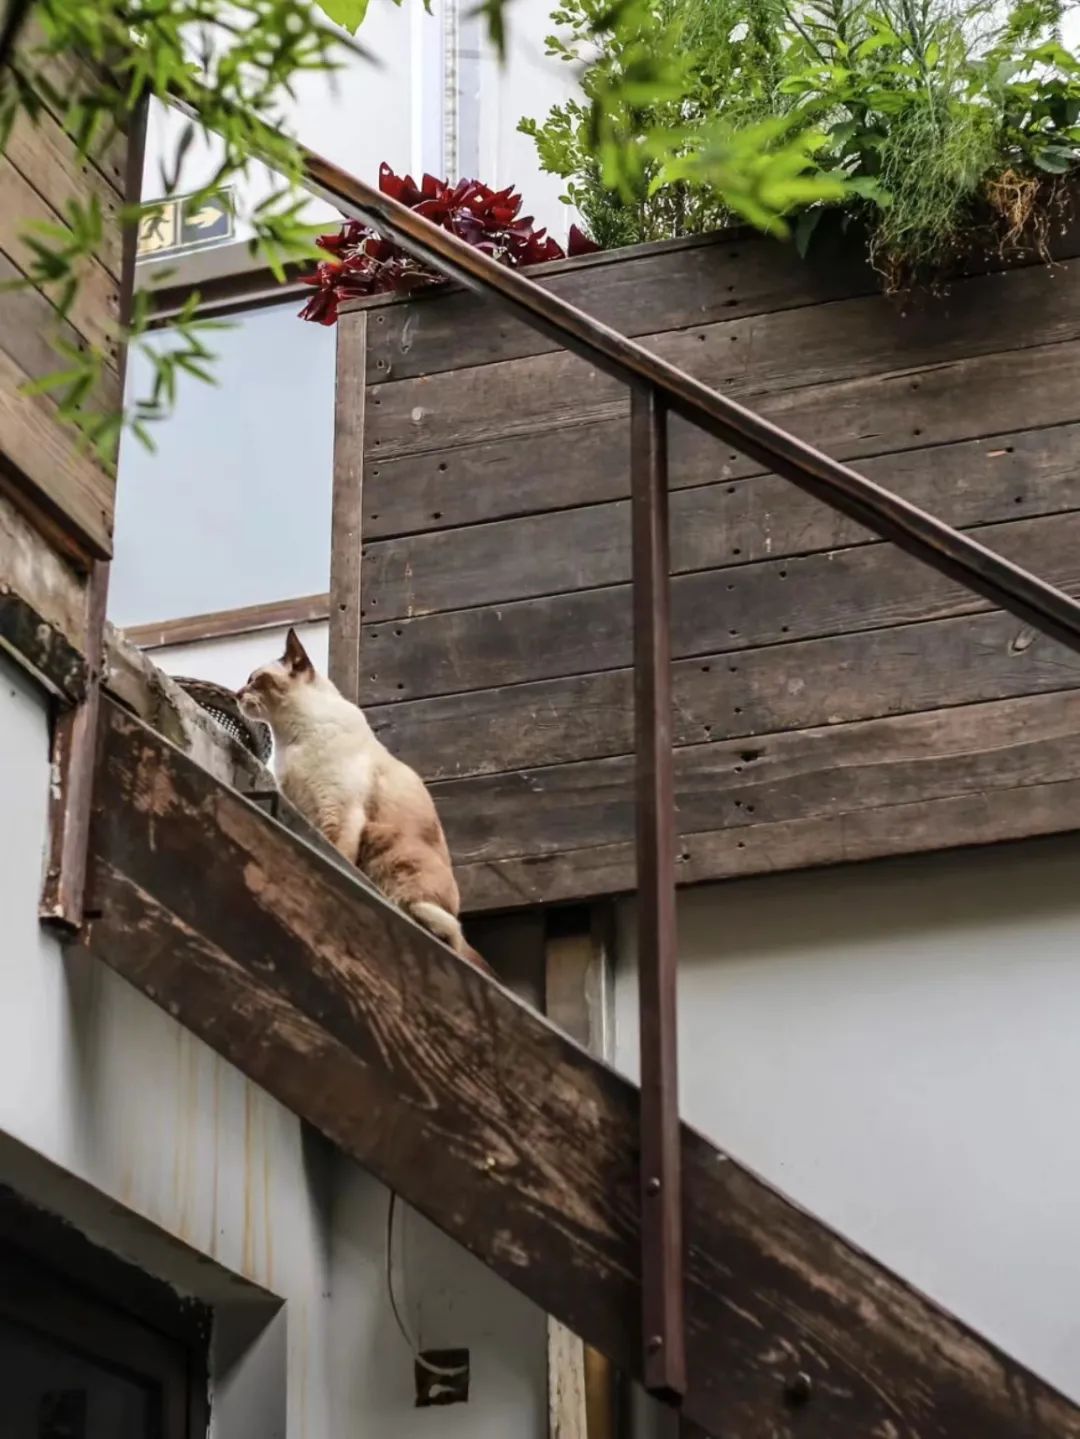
x=506 y=1134
x=71 y=77
x=746 y=358
x=567 y=1413
x=713 y=612
x=792 y=776
x=345 y=528
x=137 y=685
x=975 y=482
x=36 y=448
x=919 y=827
x=94 y=309
x=27 y=324
x=719 y=277
x=49 y=160
x=34 y=574
x=585 y=463
x=974 y=775
x=798 y=686
x=641 y=291
x=578 y=997
x=219 y=624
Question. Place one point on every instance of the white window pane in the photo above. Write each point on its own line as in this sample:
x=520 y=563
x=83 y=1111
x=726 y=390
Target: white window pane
x=234 y=509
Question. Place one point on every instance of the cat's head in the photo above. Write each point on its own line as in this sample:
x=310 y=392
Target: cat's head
x=271 y=687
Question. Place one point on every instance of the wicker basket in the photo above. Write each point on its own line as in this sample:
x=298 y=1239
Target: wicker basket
x=222 y=706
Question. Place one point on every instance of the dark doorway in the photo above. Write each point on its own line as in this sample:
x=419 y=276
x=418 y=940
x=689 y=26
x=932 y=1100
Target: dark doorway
x=83 y=1360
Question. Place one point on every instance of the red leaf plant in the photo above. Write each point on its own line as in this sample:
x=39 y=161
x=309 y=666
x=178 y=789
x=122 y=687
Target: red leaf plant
x=363 y=263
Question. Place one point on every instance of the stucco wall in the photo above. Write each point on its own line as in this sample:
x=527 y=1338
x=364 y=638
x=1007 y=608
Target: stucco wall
x=229 y=661
x=116 y=1117
x=895 y=1046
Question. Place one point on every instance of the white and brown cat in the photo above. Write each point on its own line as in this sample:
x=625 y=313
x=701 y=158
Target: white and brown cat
x=369 y=805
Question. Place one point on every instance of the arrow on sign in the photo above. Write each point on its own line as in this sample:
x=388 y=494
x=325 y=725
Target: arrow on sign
x=202 y=218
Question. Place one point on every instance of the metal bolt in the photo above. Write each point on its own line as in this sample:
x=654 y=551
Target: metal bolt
x=656 y=1343
x=799 y=1388
x=653 y=1186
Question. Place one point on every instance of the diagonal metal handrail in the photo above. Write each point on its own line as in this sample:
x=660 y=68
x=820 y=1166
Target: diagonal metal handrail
x=658 y=388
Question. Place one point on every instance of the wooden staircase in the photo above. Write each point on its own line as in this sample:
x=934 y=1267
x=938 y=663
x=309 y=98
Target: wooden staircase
x=504 y=1132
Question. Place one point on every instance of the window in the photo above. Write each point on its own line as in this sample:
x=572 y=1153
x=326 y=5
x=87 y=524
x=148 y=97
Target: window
x=234 y=509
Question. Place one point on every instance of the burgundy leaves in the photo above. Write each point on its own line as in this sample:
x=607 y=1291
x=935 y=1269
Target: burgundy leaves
x=363 y=263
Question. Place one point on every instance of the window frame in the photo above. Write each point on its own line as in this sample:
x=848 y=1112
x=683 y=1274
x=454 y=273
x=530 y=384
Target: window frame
x=56 y=1284
x=239 y=291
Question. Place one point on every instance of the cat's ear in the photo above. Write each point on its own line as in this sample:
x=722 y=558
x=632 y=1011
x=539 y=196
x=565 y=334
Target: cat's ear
x=296 y=656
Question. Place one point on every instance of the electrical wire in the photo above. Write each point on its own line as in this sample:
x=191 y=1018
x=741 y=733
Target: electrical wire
x=409 y=1340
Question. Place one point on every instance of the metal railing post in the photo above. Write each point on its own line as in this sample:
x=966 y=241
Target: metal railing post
x=661 y=1178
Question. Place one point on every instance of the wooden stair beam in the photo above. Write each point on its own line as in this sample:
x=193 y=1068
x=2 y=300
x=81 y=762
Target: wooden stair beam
x=504 y=1132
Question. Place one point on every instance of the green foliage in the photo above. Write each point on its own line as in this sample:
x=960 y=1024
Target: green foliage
x=927 y=104
x=348 y=13
x=919 y=116
x=652 y=72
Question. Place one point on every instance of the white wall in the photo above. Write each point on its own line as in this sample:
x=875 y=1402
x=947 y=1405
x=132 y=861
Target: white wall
x=108 y=1088
x=396 y=109
x=528 y=84
x=895 y=1046
x=448 y=1301
x=107 y=1101
x=229 y=661
x=367 y=113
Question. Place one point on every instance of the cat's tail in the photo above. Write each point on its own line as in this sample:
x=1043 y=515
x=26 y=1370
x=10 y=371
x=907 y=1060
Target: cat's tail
x=447 y=927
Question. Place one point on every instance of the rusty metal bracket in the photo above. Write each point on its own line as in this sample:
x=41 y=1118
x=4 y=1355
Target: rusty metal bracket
x=661 y=1160
x=267 y=799
x=74 y=759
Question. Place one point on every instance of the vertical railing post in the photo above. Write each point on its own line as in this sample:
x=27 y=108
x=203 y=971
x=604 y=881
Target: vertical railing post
x=661 y=1180
x=347 y=515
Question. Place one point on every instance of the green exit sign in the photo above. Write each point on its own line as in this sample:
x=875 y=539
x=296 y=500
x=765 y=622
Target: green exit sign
x=185 y=222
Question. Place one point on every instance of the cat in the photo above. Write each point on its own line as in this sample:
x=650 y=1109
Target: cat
x=372 y=807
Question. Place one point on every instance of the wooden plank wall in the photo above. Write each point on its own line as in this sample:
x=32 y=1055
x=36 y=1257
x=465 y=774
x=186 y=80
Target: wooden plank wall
x=40 y=460
x=834 y=699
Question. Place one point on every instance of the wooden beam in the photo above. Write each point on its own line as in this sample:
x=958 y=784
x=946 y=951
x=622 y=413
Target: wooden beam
x=42 y=604
x=74 y=750
x=578 y=997
x=346 y=525
x=220 y=624
x=40 y=646
x=505 y=1133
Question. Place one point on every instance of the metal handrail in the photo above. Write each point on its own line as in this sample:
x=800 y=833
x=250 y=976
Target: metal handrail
x=658 y=388
x=838 y=485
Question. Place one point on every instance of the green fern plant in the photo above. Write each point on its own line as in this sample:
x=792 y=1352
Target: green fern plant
x=928 y=120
